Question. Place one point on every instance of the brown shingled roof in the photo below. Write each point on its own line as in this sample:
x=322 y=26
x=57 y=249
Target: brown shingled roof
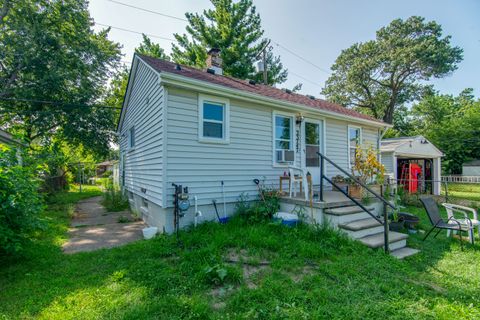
x=260 y=89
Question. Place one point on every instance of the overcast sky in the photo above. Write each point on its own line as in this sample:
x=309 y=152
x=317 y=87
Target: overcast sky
x=315 y=30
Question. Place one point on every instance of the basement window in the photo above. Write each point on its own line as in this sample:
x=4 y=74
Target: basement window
x=214 y=113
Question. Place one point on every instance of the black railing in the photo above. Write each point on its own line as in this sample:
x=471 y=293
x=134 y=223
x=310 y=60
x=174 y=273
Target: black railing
x=384 y=201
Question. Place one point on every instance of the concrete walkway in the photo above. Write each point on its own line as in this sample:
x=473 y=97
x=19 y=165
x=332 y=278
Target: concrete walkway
x=93 y=228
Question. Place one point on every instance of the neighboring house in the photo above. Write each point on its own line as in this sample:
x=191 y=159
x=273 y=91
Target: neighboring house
x=112 y=166
x=400 y=154
x=8 y=140
x=105 y=166
x=471 y=168
x=199 y=128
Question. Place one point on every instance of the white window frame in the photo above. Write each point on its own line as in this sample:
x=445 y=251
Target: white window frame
x=348 y=141
x=129 y=138
x=202 y=98
x=292 y=138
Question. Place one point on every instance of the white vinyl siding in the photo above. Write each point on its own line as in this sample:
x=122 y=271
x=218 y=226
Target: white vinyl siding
x=387 y=161
x=337 y=143
x=202 y=166
x=248 y=156
x=144 y=114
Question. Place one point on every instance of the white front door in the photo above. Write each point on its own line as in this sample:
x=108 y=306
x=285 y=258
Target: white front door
x=312 y=143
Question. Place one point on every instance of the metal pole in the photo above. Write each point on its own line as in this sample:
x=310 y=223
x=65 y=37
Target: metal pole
x=446 y=191
x=79 y=177
x=322 y=164
x=385 y=224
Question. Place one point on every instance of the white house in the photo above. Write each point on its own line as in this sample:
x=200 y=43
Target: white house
x=398 y=154
x=199 y=128
x=471 y=168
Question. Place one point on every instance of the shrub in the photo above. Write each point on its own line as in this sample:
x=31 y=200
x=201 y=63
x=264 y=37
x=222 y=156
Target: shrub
x=113 y=198
x=20 y=203
x=242 y=206
x=266 y=207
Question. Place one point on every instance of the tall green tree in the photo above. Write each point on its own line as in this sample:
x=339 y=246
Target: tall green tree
x=452 y=123
x=152 y=49
x=49 y=52
x=378 y=76
x=118 y=84
x=235 y=29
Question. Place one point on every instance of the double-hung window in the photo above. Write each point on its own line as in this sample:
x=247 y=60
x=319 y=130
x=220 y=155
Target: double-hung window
x=214 y=119
x=283 y=126
x=354 y=140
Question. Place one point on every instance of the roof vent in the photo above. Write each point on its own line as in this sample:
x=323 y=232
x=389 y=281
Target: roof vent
x=211 y=71
x=252 y=82
x=177 y=67
x=311 y=97
x=287 y=91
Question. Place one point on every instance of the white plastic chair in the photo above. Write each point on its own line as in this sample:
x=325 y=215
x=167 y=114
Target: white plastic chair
x=467 y=221
x=297 y=176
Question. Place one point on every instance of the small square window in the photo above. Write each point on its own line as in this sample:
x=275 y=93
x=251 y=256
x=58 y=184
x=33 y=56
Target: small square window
x=213 y=115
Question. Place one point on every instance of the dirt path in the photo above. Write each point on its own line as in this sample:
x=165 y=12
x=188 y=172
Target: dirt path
x=93 y=228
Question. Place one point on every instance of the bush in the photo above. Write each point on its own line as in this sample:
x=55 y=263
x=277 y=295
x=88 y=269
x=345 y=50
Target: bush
x=113 y=198
x=20 y=203
x=266 y=207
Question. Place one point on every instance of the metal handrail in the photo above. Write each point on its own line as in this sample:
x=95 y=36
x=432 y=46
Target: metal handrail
x=379 y=197
x=385 y=202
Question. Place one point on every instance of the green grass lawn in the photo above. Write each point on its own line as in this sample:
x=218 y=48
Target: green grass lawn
x=283 y=273
x=468 y=191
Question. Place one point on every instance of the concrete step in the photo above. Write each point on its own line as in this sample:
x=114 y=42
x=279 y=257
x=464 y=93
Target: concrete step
x=347 y=210
x=360 y=224
x=404 y=252
x=336 y=220
x=358 y=234
x=361 y=228
x=396 y=240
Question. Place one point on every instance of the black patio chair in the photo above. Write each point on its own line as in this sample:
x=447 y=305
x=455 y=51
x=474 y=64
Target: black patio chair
x=438 y=222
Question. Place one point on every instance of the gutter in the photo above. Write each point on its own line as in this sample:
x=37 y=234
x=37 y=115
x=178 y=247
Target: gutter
x=188 y=83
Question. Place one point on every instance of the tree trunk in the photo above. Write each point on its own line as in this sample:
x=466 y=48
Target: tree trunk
x=388 y=116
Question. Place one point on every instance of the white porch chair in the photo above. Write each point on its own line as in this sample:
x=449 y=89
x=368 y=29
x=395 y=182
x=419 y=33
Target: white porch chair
x=298 y=176
x=468 y=222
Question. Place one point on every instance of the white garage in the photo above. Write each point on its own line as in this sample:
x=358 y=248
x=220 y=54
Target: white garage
x=413 y=162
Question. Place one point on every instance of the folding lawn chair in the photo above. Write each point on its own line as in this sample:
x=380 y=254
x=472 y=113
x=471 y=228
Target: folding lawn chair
x=439 y=223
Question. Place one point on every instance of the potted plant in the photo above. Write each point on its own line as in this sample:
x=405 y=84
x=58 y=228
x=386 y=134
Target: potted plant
x=340 y=181
x=368 y=170
x=397 y=223
x=410 y=220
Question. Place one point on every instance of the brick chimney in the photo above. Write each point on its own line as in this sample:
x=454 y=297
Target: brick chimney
x=214 y=61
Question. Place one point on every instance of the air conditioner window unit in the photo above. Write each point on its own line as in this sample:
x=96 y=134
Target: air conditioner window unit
x=285 y=156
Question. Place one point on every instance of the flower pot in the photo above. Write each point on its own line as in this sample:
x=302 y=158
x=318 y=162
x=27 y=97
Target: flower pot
x=375 y=188
x=355 y=191
x=396 y=225
x=410 y=220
